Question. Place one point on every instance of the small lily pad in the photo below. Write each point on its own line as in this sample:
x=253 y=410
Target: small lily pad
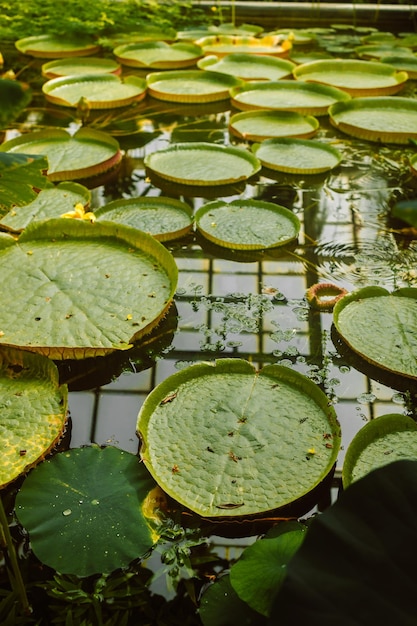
x=91 y=501
x=102 y=91
x=226 y=440
x=247 y=224
x=48 y=305
x=385 y=439
x=52 y=47
x=33 y=411
x=163 y=218
x=261 y=125
x=202 y=163
x=381 y=327
x=297 y=156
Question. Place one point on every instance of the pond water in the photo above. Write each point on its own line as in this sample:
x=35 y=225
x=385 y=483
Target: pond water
x=244 y=304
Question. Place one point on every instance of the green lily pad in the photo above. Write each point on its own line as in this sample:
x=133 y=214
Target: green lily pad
x=389 y=119
x=247 y=224
x=20 y=176
x=226 y=440
x=158 y=54
x=73 y=66
x=52 y=47
x=259 y=572
x=163 y=218
x=33 y=411
x=202 y=163
x=287 y=95
x=48 y=305
x=261 y=125
x=221 y=45
x=297 y=156
x=248 y=66
x=102 y=91
x=388 y=438
x=357 y=78
x=91 y=501
x=381 y=327
x=51 y=202
x=381 y=51
x=406 y=63
x=194 y=86
x=81 y=155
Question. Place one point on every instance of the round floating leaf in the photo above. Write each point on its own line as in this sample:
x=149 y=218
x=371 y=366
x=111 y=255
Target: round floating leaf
x=194 y=86
x=52 y=47
x=221 y=45
x=358 y=78
x=72 y=66
x=158 y=54
x=52 y=202
x=202 y=163
x=357 y=563
x=33 y=411
x=381 y=327
x=164 y=218
x=260 y=571
x=81 y=155
x=297 y=156
x=260 y=125
x=48 y=303
x=227 y=440
x=247 y=224
x=102 y=91
x=388 y=438
x=84 y=510
x=389 y=119
x=248 y=66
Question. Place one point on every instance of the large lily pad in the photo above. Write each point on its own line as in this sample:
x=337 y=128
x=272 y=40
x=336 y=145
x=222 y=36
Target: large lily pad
x=226 y=440
x=202 y=163
x=81 y=155
x=52 y=47
x=51 y=202
x=77 y=65
x=33 y=411
x=247 y=224
x=48 y=303
x=297 y=156
x=102 y=91
x=158 y=54
x=193 y=86
x=248 y=66
x=92 y=502
x=388 y=438
x=261 y=125
x=381 y=327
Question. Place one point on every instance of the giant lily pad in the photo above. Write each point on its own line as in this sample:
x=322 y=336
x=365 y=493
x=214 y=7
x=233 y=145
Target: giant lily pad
x=52 y=47
x=388 y=438
x=221 y=45
x=158 y=55
x=33 y=411
x=297 y=156
x=390 y=119
x=247 y=224
x=81 y=155
x=48 y=305
x=260 y=125
x=102 y=91
x=287 y=95
x=226 y=440
x=164 y=218
x=358 y=78
x=381 y=327
x=194 y=86
x=51 y=202
x=73 y=66
x=92 y=501
x=404 y=63
x=201 y=163
x=248 y=66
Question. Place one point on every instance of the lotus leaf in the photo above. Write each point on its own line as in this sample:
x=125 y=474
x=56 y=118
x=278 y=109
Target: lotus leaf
x=33 y=411
x=226 y=440
x=48 y=304
x=381 y=327
x=92 y=502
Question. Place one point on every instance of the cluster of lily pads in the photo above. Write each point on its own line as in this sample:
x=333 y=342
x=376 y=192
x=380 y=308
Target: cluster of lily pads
x=223 y=419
